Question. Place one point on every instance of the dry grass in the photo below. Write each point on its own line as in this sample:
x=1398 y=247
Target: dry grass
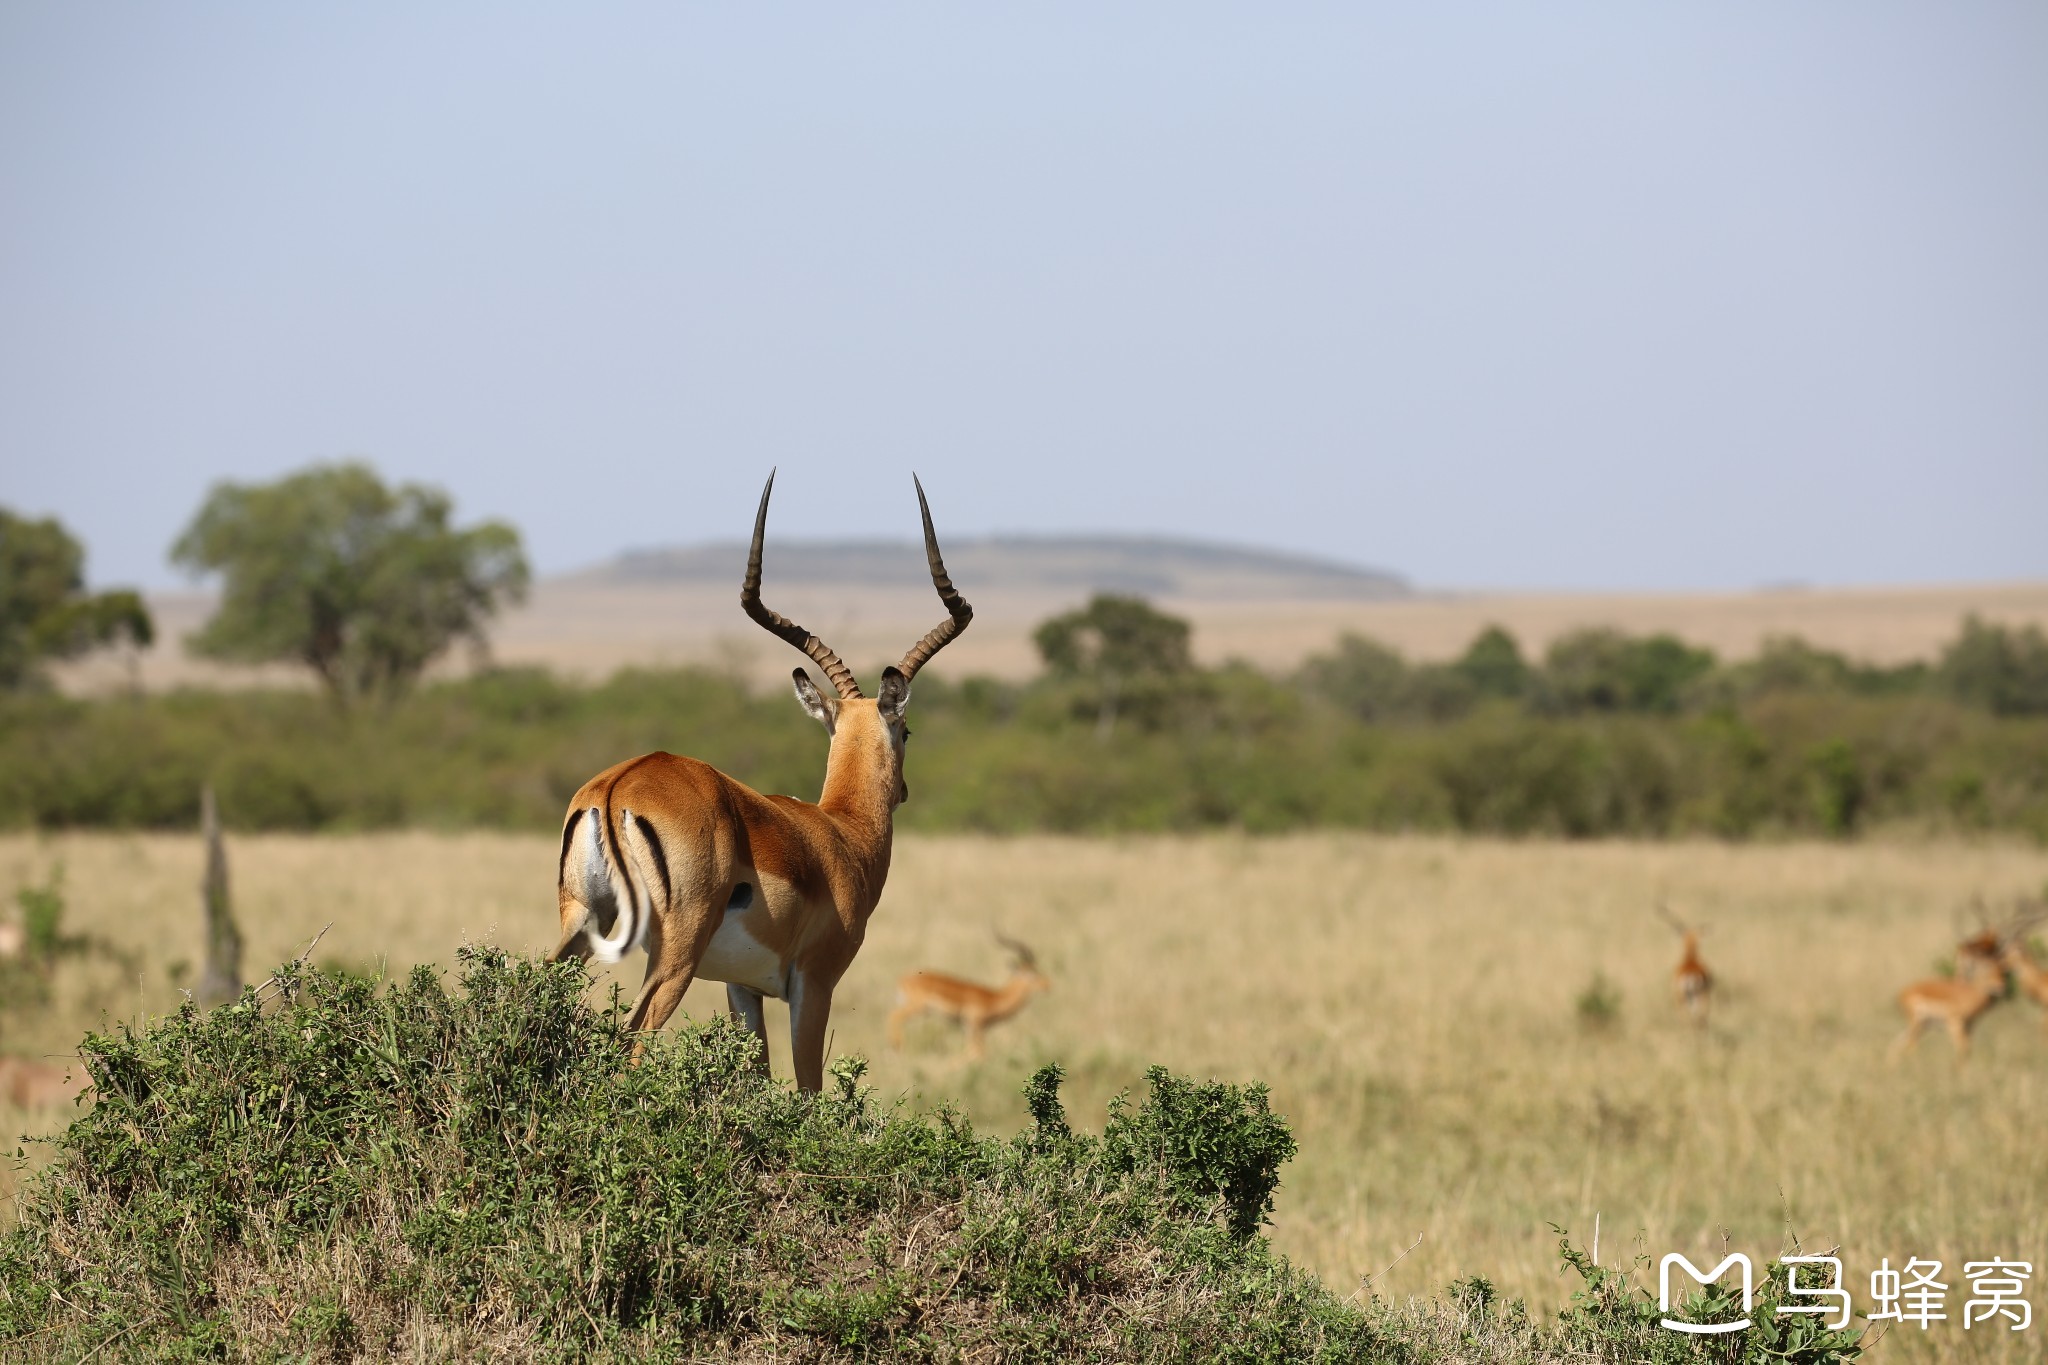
x=1410 y=1000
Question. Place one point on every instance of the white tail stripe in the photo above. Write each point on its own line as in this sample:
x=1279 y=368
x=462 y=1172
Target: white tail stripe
x=601 y=881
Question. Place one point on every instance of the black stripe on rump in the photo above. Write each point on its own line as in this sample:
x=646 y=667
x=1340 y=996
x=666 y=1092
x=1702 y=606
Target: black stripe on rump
x=618 y=873
x=646 y=828
x=568 y=833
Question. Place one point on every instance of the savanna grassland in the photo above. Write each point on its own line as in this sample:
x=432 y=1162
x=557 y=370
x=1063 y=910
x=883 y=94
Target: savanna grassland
x=1412 y=1002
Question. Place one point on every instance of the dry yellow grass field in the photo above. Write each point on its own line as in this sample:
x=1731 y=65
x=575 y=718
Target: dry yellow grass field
x=1411 y=1001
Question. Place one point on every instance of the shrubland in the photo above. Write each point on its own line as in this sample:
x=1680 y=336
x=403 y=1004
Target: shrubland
x=1607 y=735
x=334 y=1167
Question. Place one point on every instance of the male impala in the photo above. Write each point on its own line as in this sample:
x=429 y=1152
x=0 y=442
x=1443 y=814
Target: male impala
x=1691 y=983
x=768 y=894
x=2030 y=975
x=975 y=1006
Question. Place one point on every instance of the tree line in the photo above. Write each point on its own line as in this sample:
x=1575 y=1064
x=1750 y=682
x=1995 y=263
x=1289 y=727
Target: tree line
x=1605 y=733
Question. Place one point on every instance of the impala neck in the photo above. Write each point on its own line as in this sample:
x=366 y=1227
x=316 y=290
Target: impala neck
x=863 y=773
x=1014 y=993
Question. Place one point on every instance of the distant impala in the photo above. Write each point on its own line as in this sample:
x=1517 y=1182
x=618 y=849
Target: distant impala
x=1691 y=983
x=1958 y=1002
x=975 y=1006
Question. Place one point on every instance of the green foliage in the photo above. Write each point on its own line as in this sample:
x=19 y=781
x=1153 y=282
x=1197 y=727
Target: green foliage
x=45 y=612
x=42 y=914
x=340 y=1167
x=1599 y=1005
x=325 y=1167
x=1114 y=634
x=1839 y=791
x=2002 y=669
x=1363 y=677
x=363 y=584
x=1614 y=1319
x=1604 y=670
x=1117 y=656
x=1358 y=739
x=1214 y=1142
x=25 y=977
x=1373 y=683
x=1494 y=666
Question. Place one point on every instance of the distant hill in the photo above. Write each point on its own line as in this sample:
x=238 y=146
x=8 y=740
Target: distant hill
x=1148 y=566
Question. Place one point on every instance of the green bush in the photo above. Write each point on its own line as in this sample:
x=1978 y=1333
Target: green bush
x=328 y=1167
x=334 y=1167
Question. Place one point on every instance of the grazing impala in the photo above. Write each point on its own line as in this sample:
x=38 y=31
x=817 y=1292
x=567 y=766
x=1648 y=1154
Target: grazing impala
x=768 y=894
x=975 y=1006
x=2031 y=976
x=1691 y=983
x=1958 y=1002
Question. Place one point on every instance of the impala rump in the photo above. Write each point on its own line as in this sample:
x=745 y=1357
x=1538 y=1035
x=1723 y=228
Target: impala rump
x=605 y=906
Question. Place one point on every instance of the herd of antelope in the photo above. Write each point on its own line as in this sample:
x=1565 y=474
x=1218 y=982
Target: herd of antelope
x=1988 y=958
x=771 y=895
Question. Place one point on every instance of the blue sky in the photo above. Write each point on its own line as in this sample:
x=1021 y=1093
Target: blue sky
x=1572 y=296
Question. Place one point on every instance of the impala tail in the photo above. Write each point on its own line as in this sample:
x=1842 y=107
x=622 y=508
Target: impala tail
x=604 y=901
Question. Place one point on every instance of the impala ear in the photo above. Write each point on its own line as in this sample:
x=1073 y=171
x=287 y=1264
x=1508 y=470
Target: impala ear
x=894 y=693
x=822 y=709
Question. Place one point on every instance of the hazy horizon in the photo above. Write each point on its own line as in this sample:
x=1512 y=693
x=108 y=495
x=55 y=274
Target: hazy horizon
x=1593 y=298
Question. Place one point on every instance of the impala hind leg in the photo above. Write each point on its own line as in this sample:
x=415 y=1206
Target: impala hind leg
x=745 y=1004
x=675 y=945
x=1959 y=1034
x=1909 y=1039
x=907 y=1010
x=810 y=1008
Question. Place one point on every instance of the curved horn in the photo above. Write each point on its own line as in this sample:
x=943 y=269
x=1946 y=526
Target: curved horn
x=958 y=613
x=777 y=624
x=1024 y=955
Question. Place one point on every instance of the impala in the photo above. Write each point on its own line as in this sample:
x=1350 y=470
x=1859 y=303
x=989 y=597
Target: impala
x=975 y=1006
x=768 y=894
x=1691 y=983
x=2031 y=976
x=1957 y=1002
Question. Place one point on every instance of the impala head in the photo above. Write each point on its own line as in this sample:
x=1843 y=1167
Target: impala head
x=1980 y=945
x=1024 y=964
x=1688 y=934
x=869 y=730
x=2008 y=943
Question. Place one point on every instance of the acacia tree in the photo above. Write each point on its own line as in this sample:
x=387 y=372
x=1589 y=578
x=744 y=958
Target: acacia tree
x=1114 y=639
x=363 y=584
x=45 y=611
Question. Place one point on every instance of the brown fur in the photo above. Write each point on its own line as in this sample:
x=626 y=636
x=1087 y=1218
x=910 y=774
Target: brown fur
x=818 y=869
x=974 y=1005
x=1691 y=982
x=1956 y=1002
x=662 y=846
x=2029 y=974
